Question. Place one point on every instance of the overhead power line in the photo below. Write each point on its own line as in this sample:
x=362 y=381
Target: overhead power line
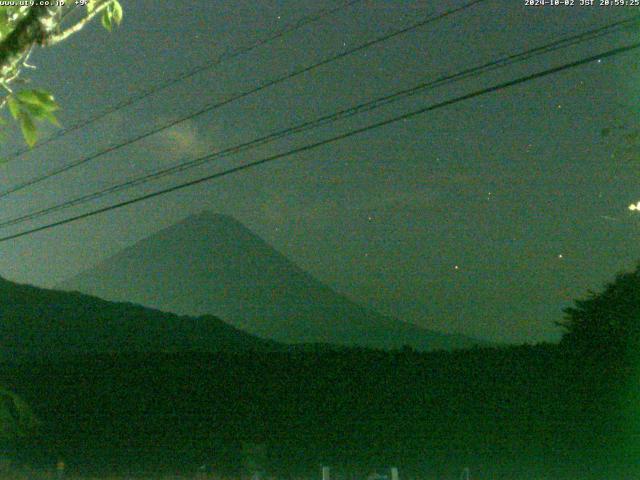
x=233 y=98
x=502 y=62
x=229 y=55
x=311 y=146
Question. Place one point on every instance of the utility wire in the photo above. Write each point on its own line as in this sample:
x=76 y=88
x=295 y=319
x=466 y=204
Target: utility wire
x=271 y=158
x=210 y=107
x=563 y=42
x=229 y=55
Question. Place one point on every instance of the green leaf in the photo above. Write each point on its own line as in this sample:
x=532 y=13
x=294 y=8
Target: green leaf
x=27 y=106
x=14 y=107
x=112 y=14
x=116 y=13
x=41 y=98
x=9 y=18
x=28 y=129
x=106 y=19
x=28 y=96
x=36 y=111
x=52 y=119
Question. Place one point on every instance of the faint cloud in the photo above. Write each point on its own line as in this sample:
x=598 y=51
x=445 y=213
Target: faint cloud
x=185 y=138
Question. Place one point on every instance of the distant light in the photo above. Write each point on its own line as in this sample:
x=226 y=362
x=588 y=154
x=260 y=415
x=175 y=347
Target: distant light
x=635 y=206
x=560 y=256
x=457 y=267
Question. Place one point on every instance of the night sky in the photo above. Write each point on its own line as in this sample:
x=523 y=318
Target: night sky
x=484 y=218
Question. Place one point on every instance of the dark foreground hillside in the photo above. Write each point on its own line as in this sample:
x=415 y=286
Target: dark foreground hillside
x=561 y=411
x=49 y=323
x=533 y=412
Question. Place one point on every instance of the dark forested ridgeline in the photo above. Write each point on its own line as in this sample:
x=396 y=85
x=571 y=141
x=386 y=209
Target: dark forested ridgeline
x=40 y=322
x=504 y=412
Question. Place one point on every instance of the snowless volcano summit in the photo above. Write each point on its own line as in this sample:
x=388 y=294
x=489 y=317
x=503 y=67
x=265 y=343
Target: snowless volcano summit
x=211 y=264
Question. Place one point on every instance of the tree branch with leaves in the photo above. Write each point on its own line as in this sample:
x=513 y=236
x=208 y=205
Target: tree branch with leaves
x=24 y=28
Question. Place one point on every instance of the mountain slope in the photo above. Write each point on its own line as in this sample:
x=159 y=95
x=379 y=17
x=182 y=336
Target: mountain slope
x=36 y=321
x=212 y=264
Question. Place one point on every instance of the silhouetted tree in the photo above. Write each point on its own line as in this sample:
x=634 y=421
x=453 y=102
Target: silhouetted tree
x=607 y=321
x=603 y=339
